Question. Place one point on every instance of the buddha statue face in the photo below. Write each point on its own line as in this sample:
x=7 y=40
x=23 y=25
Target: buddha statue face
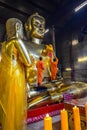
x=35 y=26
x=14 y=28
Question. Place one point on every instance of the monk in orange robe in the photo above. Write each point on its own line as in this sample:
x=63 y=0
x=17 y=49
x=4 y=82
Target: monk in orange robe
x=40 y=68
x=54 y=68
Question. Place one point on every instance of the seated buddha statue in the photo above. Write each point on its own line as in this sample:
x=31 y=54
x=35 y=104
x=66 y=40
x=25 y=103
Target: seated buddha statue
x=35 y=30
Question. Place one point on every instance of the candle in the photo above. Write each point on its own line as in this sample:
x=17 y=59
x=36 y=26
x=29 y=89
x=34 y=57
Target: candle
x=76 y=116
x=47 y=122
x=64 y=120
x=86 y=113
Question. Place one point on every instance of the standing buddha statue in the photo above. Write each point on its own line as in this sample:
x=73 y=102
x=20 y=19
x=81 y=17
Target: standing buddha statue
x=14 y=59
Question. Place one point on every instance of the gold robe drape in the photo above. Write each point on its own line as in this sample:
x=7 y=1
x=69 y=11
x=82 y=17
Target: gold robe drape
x=12 y=88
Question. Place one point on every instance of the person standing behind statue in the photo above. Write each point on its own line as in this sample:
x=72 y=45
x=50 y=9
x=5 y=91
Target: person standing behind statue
x=54 y=68
x=40 y=68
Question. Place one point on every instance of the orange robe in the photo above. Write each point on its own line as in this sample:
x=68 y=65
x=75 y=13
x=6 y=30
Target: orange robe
x=54 y=69
x=40 y=68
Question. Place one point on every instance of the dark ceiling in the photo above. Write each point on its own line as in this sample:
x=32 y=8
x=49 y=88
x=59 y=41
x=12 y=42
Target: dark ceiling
x=56 y=12
x=59 y=13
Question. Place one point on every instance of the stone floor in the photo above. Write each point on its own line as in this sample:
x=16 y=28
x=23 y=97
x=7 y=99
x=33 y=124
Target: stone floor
x=40 y=124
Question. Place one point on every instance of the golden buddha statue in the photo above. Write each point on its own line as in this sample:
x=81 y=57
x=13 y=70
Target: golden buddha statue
x=35 y=30
x=14 y=59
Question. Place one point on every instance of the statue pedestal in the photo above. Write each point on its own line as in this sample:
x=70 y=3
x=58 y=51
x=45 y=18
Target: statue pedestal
x=34 y=115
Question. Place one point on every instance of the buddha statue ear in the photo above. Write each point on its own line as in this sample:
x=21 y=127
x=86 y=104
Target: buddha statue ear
x=28 y=26
x=17 y=28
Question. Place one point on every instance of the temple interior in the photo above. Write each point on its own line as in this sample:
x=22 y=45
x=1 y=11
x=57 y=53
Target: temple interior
x=54 y=95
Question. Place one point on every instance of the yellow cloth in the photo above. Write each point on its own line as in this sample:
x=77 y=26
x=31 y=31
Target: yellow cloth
x=12 y=91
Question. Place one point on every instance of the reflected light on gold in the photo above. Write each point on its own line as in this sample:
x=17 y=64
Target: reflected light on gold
x=0 y=57
x=68 y=69
x=17 y=72
x=82 y=59
x=74 y=42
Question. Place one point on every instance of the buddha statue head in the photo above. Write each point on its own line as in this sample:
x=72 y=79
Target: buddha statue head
x=35 y=27
x=14 y=28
